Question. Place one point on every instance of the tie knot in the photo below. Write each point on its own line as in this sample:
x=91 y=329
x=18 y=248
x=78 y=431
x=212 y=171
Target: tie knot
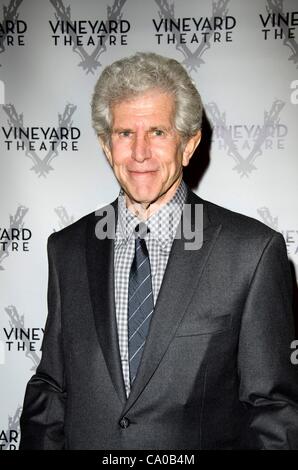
x=141 y=230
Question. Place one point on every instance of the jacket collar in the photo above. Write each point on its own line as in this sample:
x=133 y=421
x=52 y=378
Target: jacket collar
x=183 y=273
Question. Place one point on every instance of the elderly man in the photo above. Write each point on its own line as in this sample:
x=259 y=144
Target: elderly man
x=150 y=342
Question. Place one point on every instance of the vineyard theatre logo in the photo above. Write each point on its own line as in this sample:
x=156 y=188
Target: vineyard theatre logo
x=89 y=38
x=290 y=235
x=12 y=29
x=64 y=219
x=16 y=237
x=40 y=144
x=9 y=438
x=278 y=24
x=17 y=338
x=245 y=142
x=193 y=36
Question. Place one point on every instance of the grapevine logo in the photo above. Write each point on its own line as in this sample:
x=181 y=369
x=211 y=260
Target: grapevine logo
x=290 y=235
x=17 y=338
x=9 y=437
x=36 y=141
x=267 y=218
x=64 y=219
x=193 y=36
x=83 y=35
x=278 y=24
x=246 y=142
x=12 y=29
x=16 y=237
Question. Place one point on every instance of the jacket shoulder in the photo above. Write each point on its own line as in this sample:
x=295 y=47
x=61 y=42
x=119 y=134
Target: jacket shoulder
x=76 y=232
x=72 y=231
x=236 y=224
x=240 y=223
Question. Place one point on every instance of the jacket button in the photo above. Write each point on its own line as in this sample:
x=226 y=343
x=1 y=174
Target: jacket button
x=124 y=423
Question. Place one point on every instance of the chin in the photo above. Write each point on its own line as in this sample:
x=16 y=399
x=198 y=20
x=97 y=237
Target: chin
x=143 y=196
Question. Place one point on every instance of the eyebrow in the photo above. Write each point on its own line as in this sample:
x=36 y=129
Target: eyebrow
x=152 y=128
x=122 y=129
x=163 y=128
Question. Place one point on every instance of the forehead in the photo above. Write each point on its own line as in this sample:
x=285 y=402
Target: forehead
x=151 y=105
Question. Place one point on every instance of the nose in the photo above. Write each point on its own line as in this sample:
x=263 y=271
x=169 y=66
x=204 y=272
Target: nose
x=141 y=148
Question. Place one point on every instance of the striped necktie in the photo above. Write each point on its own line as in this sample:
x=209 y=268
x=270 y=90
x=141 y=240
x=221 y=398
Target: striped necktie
x=140 y=300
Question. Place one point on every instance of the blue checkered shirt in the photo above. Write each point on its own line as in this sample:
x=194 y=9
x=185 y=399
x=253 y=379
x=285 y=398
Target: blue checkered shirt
x=163 y=225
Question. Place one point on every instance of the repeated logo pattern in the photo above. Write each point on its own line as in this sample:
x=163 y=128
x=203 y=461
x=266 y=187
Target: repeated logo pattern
x=89 y=62
x=245 y=165
x=10 y=436
x=267 y=217
x=42 y=166
x=276 y=7
x=10 y=15
x=198 y=38
x=15 y=222
x=193 y=60
x=17 y=323
x=64 y=219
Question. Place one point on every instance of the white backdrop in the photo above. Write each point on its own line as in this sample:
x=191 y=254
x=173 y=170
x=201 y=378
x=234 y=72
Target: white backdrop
x=244 y=58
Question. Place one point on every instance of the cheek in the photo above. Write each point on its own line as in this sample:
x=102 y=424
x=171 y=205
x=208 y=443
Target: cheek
x=120 y=152
x=168 y=155
x=166 y=151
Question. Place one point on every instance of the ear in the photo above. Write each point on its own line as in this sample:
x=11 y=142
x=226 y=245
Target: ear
x=106 y=149
x=190 y=147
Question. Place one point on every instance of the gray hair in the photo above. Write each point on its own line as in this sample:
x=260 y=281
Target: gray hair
x=132 y=76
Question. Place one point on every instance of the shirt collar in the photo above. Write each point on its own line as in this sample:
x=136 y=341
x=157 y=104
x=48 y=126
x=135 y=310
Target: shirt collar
x=162 y=224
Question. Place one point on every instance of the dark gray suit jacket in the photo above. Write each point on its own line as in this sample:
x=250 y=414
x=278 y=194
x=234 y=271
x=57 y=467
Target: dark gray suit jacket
x=216 y=370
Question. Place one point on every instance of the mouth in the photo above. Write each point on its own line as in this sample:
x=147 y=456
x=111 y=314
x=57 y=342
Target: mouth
x=147 y=172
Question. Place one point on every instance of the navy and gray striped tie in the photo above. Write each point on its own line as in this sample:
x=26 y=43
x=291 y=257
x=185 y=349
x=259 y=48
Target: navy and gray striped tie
x=140 y=300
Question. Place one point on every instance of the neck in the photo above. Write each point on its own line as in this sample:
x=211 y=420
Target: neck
x=144 y=210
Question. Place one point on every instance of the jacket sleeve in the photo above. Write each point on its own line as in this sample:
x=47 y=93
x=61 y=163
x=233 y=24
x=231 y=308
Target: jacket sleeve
x=268 y=380
x=42 y=419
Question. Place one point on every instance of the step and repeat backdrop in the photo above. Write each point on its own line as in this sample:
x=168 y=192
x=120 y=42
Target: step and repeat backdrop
x=243 y=57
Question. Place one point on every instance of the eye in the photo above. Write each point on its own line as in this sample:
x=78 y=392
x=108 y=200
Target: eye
x=158 y=132
x=125 y=133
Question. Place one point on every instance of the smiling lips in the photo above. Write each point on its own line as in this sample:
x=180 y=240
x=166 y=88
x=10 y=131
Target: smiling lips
x=134 y=172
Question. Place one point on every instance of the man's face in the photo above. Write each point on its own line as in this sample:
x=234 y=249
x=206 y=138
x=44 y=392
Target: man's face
x=145 y=152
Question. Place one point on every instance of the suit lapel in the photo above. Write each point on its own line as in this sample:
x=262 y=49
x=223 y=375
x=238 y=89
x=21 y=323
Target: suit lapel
x=179 y=282
x=100 y=267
